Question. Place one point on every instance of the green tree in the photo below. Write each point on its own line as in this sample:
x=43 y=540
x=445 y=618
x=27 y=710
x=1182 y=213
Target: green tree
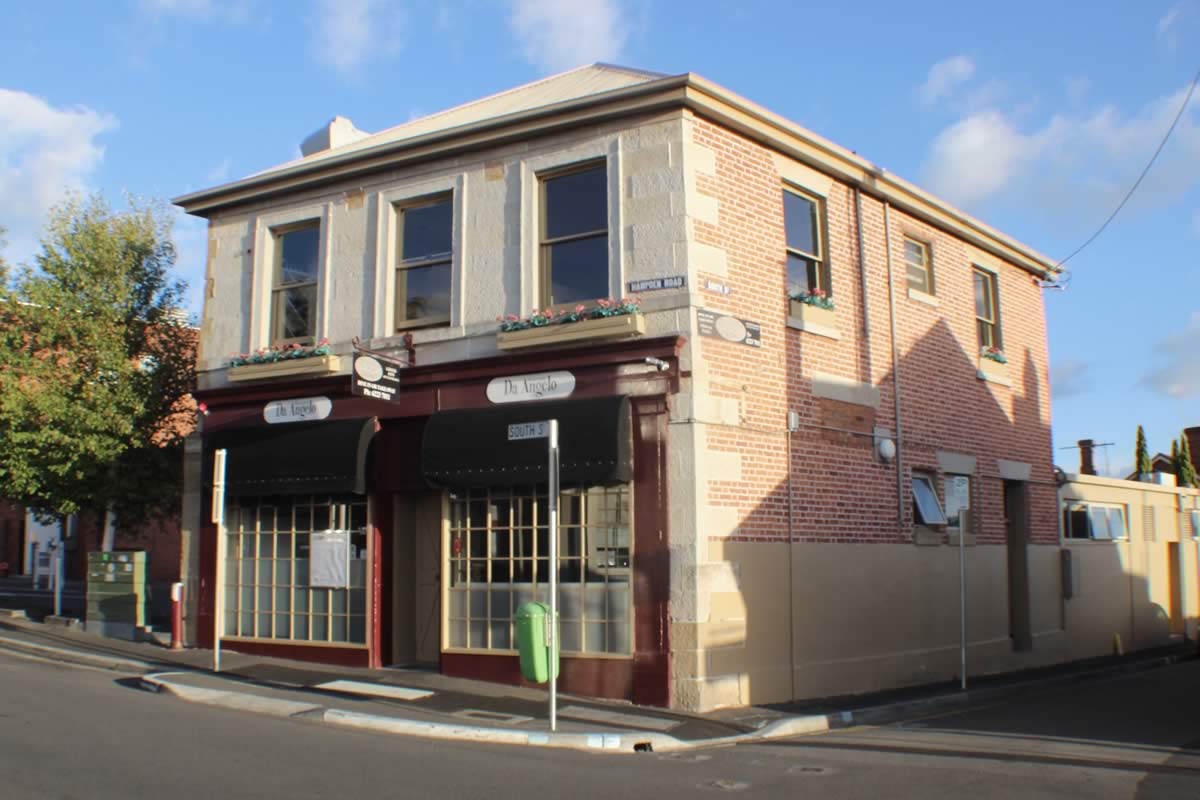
x=1185 y=468
x=96 y=367
x=1141 y=457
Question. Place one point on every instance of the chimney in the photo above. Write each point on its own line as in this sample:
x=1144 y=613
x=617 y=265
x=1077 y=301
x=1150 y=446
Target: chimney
x=1086 y=465
x=338 y=132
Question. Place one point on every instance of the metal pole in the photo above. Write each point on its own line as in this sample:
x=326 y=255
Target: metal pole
x=962 y=600
x=58 y=568
x=552 y=509
x=218 y=517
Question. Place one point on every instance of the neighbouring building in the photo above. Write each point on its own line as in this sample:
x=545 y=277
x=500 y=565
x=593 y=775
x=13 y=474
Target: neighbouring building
x=832 y=379
x=1130 y=562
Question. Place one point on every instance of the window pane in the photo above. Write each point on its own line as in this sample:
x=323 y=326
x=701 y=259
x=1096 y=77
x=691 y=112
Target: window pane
x=577 y=203
x=1116 y=523
x=426 y=231
x=918 y=279
x=801 y=274
x=800 y=224
x=914 y=253
x=423 y=292
x=578 y=270
x=298 y=255
x=1099 y=520
x=983 y=296
x=925 y=502
x=293 y=312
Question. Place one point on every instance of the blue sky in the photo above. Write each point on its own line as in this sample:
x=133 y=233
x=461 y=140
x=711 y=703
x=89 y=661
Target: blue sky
x=1034 y=116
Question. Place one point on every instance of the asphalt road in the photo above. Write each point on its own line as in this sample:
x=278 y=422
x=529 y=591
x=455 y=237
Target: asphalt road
x=70 y=733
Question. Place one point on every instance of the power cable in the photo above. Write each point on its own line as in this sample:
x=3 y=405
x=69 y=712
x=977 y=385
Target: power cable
x=1138 y=182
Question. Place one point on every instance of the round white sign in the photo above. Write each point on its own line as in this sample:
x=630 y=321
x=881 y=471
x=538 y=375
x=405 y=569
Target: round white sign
x=368 y=368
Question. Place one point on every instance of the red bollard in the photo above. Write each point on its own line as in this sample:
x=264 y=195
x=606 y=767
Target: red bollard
x=176 y=616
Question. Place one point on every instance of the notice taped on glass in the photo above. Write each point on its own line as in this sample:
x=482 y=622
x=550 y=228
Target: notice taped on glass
x=330 y=564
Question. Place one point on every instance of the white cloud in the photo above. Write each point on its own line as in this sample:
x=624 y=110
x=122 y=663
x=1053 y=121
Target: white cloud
x=1168 y=25
x=347 y=33
x=220 y=172
x=1068 y=377
x=944 y=77
x=1178 y=375
x=1077 y=162
x=44 y=152
x=557 y=35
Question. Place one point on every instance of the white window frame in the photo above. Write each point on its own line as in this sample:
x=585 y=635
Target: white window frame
x=266 y=230
x=607 y=148
x=1100 y=520
x=922 y=502
x=389 y=205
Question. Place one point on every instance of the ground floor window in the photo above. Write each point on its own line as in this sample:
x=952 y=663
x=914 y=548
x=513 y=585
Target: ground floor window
x=498 y=558
x=268 y=565
x=1093 y=521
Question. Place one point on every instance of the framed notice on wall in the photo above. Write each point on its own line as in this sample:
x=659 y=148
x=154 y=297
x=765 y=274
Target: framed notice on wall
x=330 y=564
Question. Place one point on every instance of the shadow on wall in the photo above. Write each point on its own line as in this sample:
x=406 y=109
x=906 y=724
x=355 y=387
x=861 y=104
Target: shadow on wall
x=868 y=608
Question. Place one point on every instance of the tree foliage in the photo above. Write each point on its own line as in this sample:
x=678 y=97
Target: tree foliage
x=1141 y=457
x=1185 y=468
x=95 y=366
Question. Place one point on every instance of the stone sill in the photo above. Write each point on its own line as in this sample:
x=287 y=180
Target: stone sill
x=993 y=372
x=813 y=319
x=314 y=365
x=621 y=327
x=926 y=537
x=923 y=297
x=953 y=536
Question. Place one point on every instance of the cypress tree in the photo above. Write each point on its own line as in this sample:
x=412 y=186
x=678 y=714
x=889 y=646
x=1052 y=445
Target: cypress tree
x=1186 y=470
x=1141 y=457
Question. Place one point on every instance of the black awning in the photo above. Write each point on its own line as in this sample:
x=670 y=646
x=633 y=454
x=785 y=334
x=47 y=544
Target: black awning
x=296 y=458
x=470 y=448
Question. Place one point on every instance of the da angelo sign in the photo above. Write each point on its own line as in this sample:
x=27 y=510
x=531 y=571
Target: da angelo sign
x=297 y=410
x=537 y=386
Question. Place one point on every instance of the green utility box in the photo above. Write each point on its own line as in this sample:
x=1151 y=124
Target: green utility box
x=118 y=596
x=531 y=642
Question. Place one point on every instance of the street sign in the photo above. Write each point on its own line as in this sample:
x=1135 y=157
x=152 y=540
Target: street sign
x=529 y=430
x=375 y=376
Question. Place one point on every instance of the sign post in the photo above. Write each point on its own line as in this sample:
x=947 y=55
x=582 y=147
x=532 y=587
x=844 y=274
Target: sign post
x=218 y=518
x=548 y=429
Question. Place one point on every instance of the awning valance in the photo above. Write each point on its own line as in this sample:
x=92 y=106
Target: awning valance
x=296 y=458
x=470 y=447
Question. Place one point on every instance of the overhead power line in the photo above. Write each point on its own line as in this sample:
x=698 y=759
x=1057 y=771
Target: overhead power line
x=1138 y=182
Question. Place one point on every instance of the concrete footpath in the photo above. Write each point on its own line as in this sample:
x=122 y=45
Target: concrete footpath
x=426 y=704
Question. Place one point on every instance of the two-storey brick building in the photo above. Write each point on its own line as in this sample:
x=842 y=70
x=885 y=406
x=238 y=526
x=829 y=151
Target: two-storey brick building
x=832 y=377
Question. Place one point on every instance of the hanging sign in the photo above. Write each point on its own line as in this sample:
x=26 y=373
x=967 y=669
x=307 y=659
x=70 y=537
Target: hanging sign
x=374 y=376
x=731 y=329
x=299 y=409
x=536 y=386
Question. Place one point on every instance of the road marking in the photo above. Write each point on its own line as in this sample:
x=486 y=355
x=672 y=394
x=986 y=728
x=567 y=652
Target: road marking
x=374 y=690
x=616 y=718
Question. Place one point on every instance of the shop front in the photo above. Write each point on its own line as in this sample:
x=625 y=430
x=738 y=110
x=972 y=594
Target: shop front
x=407 y=532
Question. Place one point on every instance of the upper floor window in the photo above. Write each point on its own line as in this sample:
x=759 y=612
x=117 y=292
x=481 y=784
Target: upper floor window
x=423 y=271
x=574 y=235
x=918 y=264
x=294 y=287
x=987 y=310
x=807 y=270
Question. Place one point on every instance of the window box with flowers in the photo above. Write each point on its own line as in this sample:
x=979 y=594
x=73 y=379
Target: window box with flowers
x=993 y=366
x=281 y=361
x=813 y=311
x=607 y=319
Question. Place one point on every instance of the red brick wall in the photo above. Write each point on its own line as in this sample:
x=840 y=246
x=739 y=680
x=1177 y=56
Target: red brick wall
x=842 y=492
